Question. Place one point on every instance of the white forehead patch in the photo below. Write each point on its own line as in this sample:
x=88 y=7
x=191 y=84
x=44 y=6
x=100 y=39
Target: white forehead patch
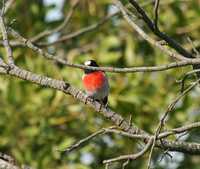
x=87 y=63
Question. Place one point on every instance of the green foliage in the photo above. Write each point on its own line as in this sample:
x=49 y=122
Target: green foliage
x=36 y=122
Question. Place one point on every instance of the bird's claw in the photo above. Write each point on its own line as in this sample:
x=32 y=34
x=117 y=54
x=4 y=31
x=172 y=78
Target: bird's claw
x=100 y=107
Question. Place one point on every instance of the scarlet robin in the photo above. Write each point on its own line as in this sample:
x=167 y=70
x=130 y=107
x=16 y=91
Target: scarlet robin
x=95 y=83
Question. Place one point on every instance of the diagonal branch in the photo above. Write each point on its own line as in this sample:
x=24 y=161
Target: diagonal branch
x=171 y=42
x=80 y=32
x=164 y=116
x=156 y=8
x=6 y=165
x=131 y=156
x=59 y=27
x=118 y=120
x=82 y=142
x=146 y=36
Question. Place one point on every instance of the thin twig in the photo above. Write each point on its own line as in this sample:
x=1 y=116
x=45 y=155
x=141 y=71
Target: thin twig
x=125 y=163
x=131 y=156
x=107 y=166
x=47 y=55
x=179 y=130
x=171 y=42
x=181 y=135
x=126 y=134
x=156 y=8
x=193 y=47
x=80 y=32
x=185 y=77
x=59 y=27
x=146 y=36
x=82 y=142
x=72 y=35
x=162 y=121
x=153 y=145
x=164 y=154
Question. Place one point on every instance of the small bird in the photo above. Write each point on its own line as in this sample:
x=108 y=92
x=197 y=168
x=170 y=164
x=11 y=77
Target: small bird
x=95 y=83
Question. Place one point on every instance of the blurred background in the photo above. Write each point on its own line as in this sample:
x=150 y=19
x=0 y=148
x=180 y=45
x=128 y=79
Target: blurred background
x=36 y=122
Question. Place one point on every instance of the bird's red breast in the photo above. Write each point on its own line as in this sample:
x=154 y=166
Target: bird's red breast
x=94 y=81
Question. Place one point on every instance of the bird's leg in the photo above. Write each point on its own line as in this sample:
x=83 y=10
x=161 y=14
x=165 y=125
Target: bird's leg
x=106 y=105
x=100 y=104
x=105 y=102
x=100 y=107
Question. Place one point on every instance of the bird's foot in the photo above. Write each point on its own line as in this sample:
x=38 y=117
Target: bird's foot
x=100 y=107
x=106 y=105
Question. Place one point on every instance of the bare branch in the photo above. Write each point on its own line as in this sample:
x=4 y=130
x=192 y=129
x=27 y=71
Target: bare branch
x=5 y=39
x=59 y=27
x=156 y=8
x=172 y=43
x=131 y=156
x=80 y=32
x=179 y=130
x=82 y=142
x=8 y=4
x=126 y=134
x=164 y=116
x=197 y=54
x=67 y=37
x=145 y=36
x=29 y=44
x=172 y=105
x=73 y=34
x=118 y=120
x=127 y=129
x=185 y=77
x=6 y=165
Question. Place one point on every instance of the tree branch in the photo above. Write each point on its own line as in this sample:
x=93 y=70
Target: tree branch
x=118 y=120
x=131 y=156
x=171 y=42
x=78 y=33
x=156 y=8
x=172 y=65
x=59 y=27
x=6 y=165
x=145 y=36
x=179 y=130
x=5 y=39
x=82 y=142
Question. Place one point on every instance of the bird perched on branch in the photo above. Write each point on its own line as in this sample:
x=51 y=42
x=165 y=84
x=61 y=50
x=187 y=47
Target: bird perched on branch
x=95 y=83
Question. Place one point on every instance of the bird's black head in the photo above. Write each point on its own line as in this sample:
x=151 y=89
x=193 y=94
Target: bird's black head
x=90 y=63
